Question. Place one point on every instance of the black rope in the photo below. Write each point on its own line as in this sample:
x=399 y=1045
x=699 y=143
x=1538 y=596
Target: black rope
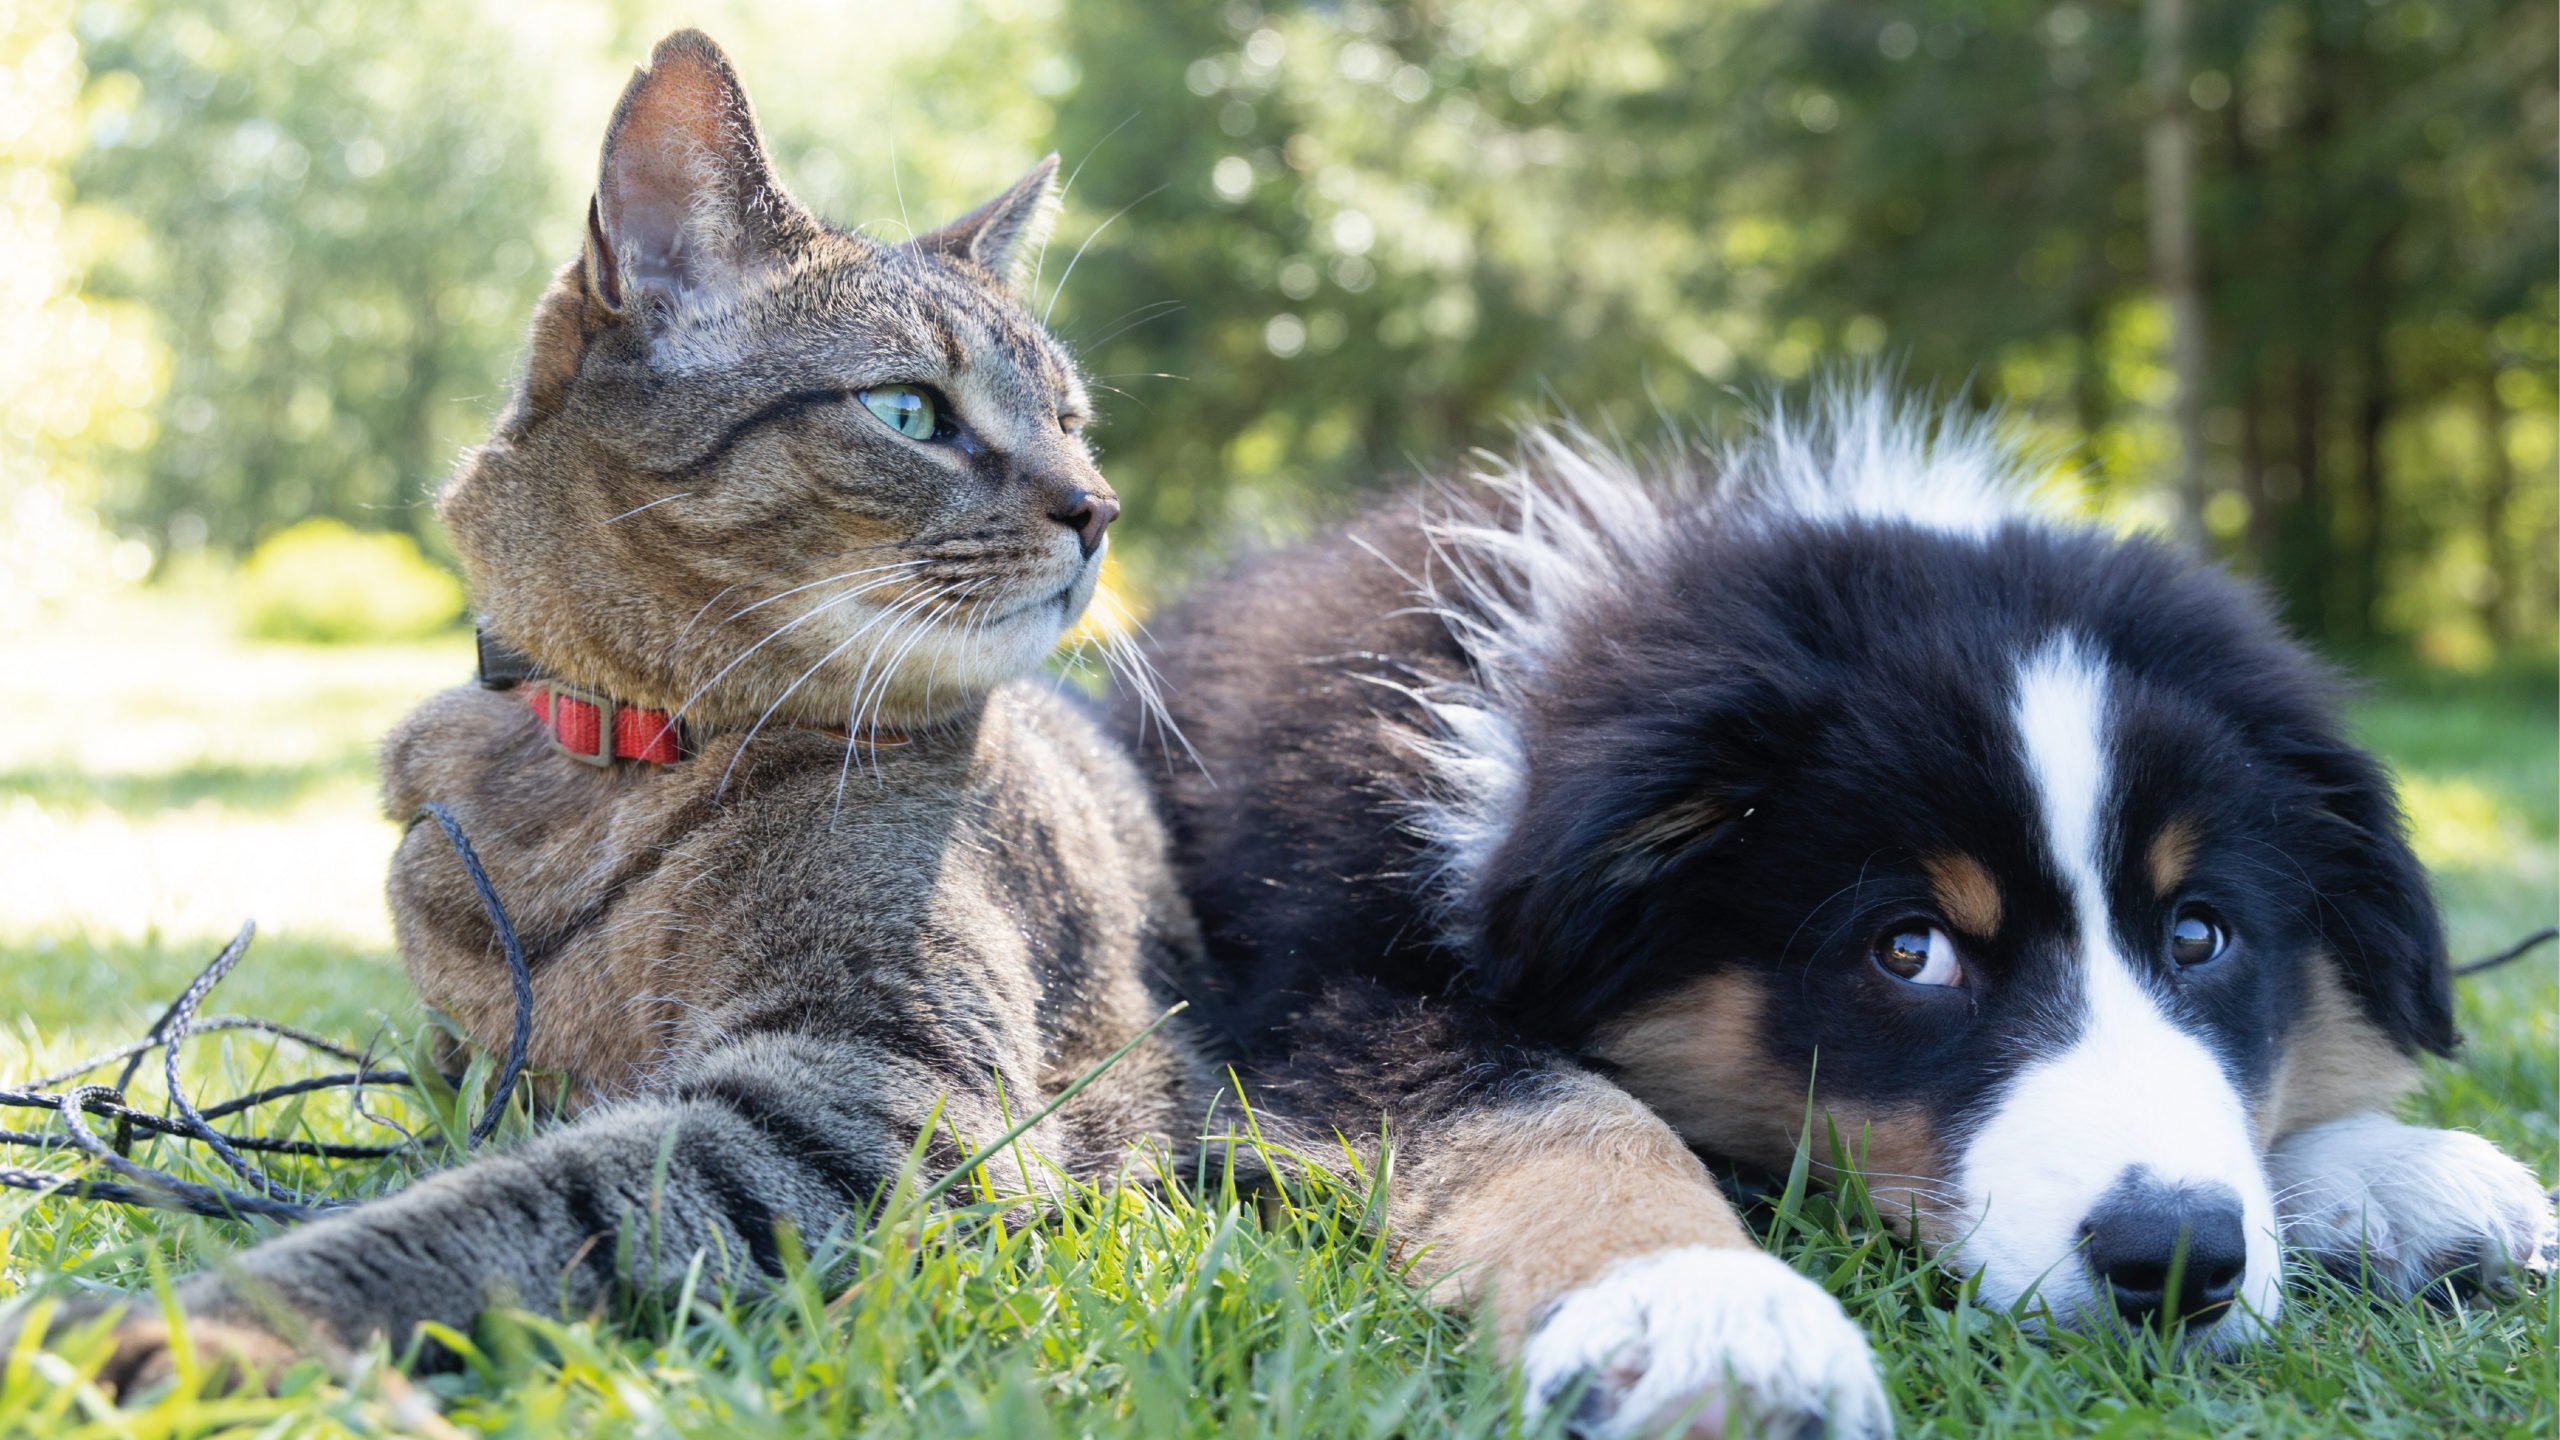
x=2517 y=951
x=174 y=1027
x=268 y=1198
x=518 y=1043
x=206 y=1026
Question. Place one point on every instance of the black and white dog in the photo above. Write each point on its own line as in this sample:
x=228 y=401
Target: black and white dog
x=1580 y=818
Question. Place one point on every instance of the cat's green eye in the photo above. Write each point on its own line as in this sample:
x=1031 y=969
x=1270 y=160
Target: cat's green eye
x=905 y=409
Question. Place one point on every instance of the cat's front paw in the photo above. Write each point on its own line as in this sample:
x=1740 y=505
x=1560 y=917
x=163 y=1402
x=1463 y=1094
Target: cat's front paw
x=1729 y=1343
x=2401 y=1207
x=231 y=1352
x=235 y=1356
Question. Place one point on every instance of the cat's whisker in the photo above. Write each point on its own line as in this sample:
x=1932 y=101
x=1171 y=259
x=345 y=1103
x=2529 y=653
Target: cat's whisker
x=1040 y=260
x=1073 y=260
x=1155 y=311
x=854 y=730
x=821 y=608
x=898 y=186
x=1123 y=394
x=828 y=580
x=788 y=690
x=678 y=643
x=652 y=505
x=899 y=614
x=959 y=643
x=1118 y=630
x=880 y=691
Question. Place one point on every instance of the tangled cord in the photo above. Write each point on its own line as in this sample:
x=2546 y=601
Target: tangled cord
x=266 y=1197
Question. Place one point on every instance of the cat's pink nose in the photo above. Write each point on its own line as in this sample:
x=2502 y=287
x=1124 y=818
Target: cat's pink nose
x=1087 y=514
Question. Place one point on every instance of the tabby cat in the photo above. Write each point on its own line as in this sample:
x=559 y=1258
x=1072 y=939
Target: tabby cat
x=781 y=514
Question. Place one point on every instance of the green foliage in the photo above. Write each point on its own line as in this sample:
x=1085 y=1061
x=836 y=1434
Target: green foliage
x=322 y=581
x=1312 y=245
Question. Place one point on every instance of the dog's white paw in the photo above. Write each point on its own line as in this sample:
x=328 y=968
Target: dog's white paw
x=1730 y=1343
x=2406 y=1206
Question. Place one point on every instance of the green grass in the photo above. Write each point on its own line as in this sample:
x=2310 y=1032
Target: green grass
x=175 y=782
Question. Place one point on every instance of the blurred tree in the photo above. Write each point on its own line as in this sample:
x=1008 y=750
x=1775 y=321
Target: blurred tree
x=332 y=224
x=1313 y=244
x=2374 y=192
x=74 y=372
x=1366 y=236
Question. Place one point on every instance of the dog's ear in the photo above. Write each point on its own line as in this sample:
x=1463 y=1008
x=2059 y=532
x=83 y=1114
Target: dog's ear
x=1606 y=816
x=2375 y=911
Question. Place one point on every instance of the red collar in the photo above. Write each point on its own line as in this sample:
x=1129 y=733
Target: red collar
x=593 y=728
x=597 y=730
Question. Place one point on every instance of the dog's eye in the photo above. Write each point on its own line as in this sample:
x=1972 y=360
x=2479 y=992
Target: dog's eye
x=1921 y=954
x=2196 y=936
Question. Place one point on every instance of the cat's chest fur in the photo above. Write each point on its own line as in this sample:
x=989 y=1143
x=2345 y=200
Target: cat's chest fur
x=662 y=907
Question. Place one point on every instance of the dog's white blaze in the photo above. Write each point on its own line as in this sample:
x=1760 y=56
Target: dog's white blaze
x=2132 y=1090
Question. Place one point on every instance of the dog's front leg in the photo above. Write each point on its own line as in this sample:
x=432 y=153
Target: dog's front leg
x=1578 y=1228
x=1607 y=1260
x=2403 y=1207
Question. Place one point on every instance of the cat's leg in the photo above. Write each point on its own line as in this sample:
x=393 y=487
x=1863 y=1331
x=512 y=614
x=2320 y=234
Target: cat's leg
x=1577 y=1225
x=765 y=1131
x=2402 y=1206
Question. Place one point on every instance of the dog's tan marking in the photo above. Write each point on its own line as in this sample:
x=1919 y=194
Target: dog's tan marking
x=1648 y=842
x=1520 y=1205
x=1697 y=1060
x=2173 y=856
x=2336 y=1062
x=1965 y=892
x=1696 y=1057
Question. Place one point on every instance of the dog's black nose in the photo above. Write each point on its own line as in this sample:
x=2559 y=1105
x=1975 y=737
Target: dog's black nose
x=1088 y=514
x=2167 y=1251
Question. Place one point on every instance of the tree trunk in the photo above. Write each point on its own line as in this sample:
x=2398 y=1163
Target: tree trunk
x=2373 y=413
x=2497 y=607
x=2248 y=357
x=2260 y=540
x=2169 y=171
x=2308 y=555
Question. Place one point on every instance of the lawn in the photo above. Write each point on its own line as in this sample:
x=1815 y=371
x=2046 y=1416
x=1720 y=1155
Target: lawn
x=160 y=782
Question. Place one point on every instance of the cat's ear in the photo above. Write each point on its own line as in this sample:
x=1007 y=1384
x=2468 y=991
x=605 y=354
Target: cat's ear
x=686 y=203
x=1005 y=234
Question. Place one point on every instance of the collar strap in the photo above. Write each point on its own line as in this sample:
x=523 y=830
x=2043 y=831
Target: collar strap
x=593 y=728
x=588 y=726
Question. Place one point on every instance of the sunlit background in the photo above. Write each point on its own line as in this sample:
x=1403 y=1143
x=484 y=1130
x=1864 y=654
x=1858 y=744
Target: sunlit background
x=264 y=270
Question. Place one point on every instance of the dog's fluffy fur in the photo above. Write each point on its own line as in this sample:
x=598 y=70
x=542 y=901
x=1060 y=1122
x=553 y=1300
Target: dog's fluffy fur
x=1569 y=817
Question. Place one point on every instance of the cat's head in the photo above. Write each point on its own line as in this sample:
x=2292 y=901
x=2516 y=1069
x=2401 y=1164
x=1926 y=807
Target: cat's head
x=760 y=463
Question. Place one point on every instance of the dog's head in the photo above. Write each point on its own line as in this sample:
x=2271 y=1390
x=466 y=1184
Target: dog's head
x=2027 y=863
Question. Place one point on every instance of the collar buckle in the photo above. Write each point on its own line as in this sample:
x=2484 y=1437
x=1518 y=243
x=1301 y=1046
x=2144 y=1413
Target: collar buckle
x=561 y=722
